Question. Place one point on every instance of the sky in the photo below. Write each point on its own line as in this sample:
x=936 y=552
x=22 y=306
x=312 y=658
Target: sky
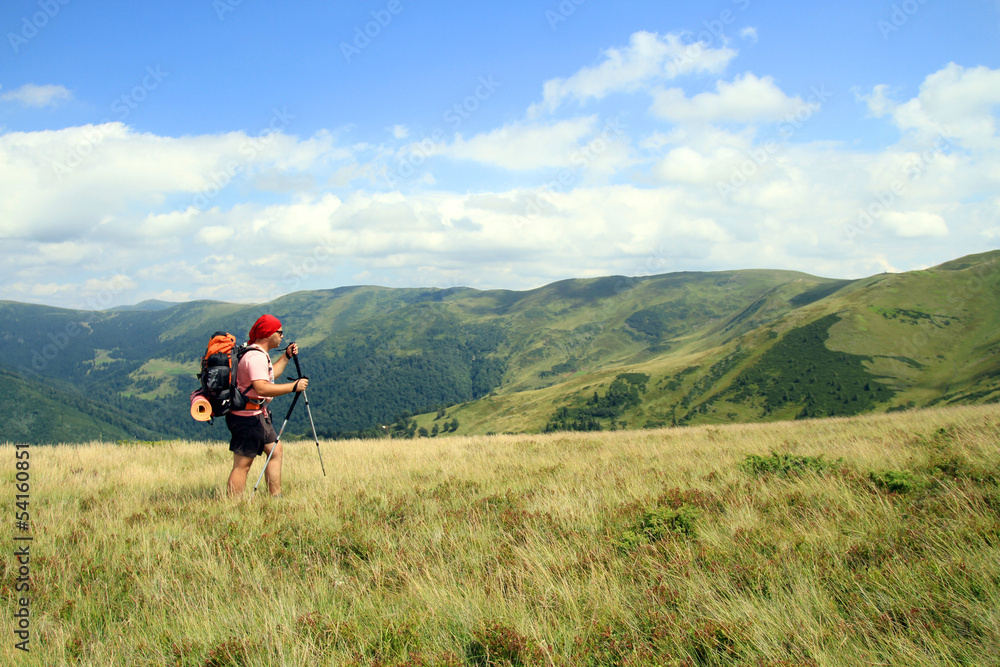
x=240 y=150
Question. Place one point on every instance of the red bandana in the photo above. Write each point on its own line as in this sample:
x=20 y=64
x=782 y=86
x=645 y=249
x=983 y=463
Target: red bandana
x=266 y=325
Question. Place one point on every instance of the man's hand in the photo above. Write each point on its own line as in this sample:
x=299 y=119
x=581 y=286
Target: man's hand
x=291 y=350
x=301 y=384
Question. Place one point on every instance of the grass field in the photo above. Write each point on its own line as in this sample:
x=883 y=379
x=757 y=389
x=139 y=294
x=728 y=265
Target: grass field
x=865 y=541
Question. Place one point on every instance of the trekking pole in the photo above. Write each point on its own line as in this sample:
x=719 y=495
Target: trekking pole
x=298 y=370
x=275 y=446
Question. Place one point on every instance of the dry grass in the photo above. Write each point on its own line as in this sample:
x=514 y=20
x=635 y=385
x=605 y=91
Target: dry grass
x=872 y=540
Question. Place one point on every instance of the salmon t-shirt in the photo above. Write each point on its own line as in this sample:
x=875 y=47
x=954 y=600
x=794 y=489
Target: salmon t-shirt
x=255 y=365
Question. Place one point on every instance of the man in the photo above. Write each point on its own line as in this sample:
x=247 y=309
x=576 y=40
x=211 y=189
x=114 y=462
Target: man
x=251 y=428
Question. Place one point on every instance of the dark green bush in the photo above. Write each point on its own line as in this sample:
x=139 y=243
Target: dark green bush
x=893 y=481
x=658 y=524
x=501 y=645
x=783 y=464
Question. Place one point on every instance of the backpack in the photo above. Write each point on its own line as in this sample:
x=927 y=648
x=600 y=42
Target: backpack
x=218 y=374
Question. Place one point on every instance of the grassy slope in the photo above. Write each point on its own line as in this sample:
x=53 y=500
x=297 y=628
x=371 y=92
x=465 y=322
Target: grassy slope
x=640 y=548
x=929 y=334
x=945 y=319
x=585 y=321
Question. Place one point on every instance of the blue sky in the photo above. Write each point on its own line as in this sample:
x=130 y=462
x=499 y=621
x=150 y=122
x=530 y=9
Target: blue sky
x=232 y=150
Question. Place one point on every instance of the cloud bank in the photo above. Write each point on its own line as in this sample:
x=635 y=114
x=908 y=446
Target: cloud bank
x=655 y=178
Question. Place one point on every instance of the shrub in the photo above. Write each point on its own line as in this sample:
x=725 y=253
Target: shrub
x=501 y=645
x=783 y=464
x=234 y=652
x=657 y=525
x=893 y=481
x=606 y=644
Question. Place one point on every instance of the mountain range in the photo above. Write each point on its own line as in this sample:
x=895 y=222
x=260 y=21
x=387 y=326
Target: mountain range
x=614 y=352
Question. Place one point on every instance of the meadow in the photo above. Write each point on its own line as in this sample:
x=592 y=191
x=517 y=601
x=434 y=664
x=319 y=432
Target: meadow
x=871 y=540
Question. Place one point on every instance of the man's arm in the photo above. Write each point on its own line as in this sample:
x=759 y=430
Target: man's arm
x=270 y=389
x=279 y=365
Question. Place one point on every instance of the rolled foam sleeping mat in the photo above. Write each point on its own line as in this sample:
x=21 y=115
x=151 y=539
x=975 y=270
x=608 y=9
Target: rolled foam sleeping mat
x=201 y=409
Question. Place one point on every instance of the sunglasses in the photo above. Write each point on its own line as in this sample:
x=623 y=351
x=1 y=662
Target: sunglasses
x=280 y=332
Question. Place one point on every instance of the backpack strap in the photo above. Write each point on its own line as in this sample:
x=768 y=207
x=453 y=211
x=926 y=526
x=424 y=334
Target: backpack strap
x=240 y=351
x=234 y=365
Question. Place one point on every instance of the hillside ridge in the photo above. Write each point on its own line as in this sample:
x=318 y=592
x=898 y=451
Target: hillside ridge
x=503 y=360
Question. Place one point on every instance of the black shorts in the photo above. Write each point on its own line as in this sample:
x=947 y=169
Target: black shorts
x=250 y=434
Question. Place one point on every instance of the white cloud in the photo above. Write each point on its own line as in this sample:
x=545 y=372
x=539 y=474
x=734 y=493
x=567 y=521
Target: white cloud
x=90 y=294
x=72 y=182
x=647 y=59
x=789 y=217
x=635 y=201
x=701 y=154
x=291 y=224
x=68 y=253
x=911 y=224
x=686 y=165
x=214 y=234
x=522 y=146
x=883 y=262
x=878 y=102
x=747 y=99
x=954 y=102
x=174 y=296
x=32 y=95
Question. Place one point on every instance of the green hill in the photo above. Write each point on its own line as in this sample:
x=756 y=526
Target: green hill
x=715 y=346
x=41 y=413
x=886 y=342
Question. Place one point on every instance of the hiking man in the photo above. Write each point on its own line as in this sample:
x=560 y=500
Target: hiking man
x=251 y=428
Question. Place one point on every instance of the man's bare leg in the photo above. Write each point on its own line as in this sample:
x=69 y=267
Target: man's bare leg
x=272 y=473
x=238 y=475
